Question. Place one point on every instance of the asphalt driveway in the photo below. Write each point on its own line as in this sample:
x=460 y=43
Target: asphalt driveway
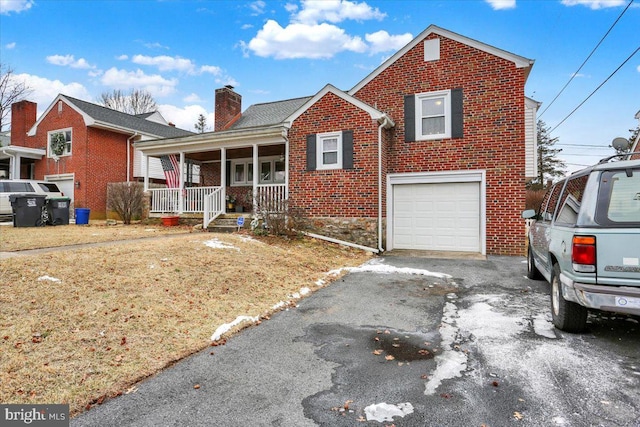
x=405 y=341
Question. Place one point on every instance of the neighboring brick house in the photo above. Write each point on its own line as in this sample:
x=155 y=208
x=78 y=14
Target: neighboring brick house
x=430 y=151
x=95 y=148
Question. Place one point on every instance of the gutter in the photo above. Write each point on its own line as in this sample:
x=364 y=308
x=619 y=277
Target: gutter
x=386 y=122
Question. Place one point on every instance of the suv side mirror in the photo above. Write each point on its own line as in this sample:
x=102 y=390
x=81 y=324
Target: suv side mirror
x=529 y=214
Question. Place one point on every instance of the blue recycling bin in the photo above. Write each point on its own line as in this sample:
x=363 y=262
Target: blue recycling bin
x=82 y=216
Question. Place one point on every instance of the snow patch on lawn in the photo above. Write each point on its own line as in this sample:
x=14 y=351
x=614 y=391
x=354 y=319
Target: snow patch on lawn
x=385 y=412
x=223 y=329
x=217 y=244
x=49 y=279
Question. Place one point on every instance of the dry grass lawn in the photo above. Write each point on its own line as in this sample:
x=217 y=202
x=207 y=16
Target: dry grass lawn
x=83 y=324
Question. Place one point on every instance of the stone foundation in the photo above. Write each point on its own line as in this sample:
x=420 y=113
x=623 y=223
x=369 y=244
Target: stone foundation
x=362 y=231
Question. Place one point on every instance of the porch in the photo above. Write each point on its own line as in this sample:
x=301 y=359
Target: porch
x=205 y=171
x=211 y=202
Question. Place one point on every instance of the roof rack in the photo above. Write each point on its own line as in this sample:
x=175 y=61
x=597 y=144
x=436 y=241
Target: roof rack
x=607 y=159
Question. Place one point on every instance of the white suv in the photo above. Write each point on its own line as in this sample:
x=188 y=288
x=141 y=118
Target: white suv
x=586 y=243
x=24 y=186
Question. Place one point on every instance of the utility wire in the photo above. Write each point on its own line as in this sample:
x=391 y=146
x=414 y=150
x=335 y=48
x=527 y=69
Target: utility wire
x=595 y=90
x=585 y=61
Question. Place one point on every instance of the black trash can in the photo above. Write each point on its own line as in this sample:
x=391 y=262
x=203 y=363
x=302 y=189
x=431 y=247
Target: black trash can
x=27 y=209
x=58 y=210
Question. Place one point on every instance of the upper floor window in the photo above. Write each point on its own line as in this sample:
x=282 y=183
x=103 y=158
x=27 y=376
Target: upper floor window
x=329 y=146
x=59 y=143
x=434 y=115
x=433 y=111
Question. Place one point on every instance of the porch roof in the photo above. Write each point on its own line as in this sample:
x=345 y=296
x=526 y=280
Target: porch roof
x=214 y=141
x=24 y=152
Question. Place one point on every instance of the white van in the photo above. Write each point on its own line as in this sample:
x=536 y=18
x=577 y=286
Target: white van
x=24 y=186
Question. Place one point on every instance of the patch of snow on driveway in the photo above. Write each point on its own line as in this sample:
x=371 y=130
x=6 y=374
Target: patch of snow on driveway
x=450 y=363
x=385 y=412
x=377 y=266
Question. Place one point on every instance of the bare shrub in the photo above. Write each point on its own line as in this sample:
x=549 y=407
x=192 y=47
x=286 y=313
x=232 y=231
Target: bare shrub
x=278 y=218
x=125 y=199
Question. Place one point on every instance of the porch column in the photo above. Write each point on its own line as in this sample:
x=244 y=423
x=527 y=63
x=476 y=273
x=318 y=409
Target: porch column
x=223 y=176
x=256 y=177
x=14 y=166
x=146 y=172
x=286 y=169
x=181 y=184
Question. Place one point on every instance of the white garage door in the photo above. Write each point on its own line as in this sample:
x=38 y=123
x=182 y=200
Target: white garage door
x=438 y=217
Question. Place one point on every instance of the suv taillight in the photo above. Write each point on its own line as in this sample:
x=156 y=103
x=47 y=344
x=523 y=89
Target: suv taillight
x=583 y=254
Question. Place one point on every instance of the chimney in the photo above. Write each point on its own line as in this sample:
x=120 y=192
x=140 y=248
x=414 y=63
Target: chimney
x=23 y=116
x=228 y=107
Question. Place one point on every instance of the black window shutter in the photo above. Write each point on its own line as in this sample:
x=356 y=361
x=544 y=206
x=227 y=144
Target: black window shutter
x=409 y=118
x=311 y=152
x=457 y=114
x=228 y=174
x=347 y=149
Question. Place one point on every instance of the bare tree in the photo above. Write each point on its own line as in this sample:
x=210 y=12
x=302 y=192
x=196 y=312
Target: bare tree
x=12 y=90
x=137 y=101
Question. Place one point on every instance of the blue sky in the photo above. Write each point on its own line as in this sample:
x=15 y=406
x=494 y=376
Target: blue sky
x=181 y=51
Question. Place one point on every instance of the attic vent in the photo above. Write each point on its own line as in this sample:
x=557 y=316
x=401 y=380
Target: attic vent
x=431 y=50
x=59 y=107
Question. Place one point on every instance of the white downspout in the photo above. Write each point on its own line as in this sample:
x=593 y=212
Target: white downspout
x=12 y=164
x=129 y=156
x=383 y=124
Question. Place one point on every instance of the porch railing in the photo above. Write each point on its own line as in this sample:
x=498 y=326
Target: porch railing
x=213 y=206
x=271 y=197
x=170 y=200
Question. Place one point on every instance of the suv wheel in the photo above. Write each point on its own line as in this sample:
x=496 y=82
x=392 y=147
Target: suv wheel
x=567 y=316
x=532 y=270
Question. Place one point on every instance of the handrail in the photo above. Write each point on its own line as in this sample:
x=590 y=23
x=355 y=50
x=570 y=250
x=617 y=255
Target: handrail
x=213 y=206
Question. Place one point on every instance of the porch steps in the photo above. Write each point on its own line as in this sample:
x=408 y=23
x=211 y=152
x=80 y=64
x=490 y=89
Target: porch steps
x=228 y=223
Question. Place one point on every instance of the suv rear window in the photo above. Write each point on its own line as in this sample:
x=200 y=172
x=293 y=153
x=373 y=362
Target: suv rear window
x=16 y=187
x=619 y=198
x=49 y=187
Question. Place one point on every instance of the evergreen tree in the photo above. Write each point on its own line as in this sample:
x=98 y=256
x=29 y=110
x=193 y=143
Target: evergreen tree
x=201 y=124
x=549 y=165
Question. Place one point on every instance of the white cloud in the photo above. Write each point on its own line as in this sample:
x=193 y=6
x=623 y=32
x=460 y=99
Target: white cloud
x=313 y=11
x=318 y=41
x=381 y=41
x=595 y=4
x=185 y=117
x=69 y=61
x=639 y=68
x=122 y=57
x=192 y=98
x=155 y=84
x=502 y=4
x=43 y=90
x=10 y=45
x=17 y=6
x=165 y=63
x=257 y=7
x=212 y=69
